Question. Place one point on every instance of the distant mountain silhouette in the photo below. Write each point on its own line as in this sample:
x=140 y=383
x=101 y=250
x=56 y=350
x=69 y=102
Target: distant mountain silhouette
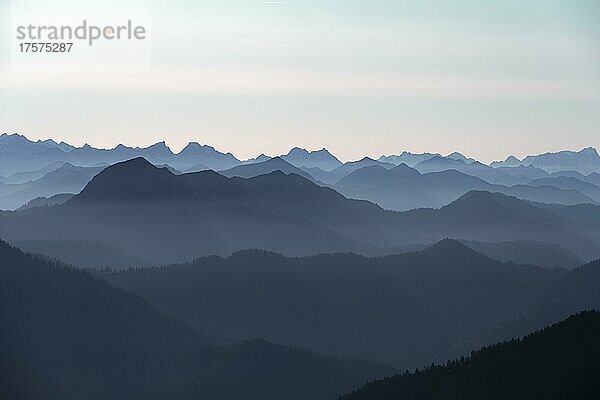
x=570 y=183
x=585 y=218
x=510 y=161
x=524 y=252
x=461 y=157
x=318 y=174
x=558 y=362
x=46 y=201
x=474 y=168
x=164 y=217
x=593 y=178
x=403 y=191
x=523 y=172
x=265 y=167
x=439 y=163
x=149 y=211
x=66 y=179
x=548 y=194
x=197 y=168
x=494 y=217
x=27 y=176
x=67 y=335
x=257 y=159
x=194 y=153
x=322 y=159
x=450 y=296
x=410 y=159
x=18 y=154
x=404 y=188
x=346 y=169
x=585 y=161
x=375 y=175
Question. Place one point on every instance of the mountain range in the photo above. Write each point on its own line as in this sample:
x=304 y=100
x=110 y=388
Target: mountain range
x=21 y=156
x=585 y=161
x=191 y=215
x=550 y=178
x=407 y=310
x=403 y=188
x=142 y=273
x=68 y=335
x=18 y=154
x=67 y=178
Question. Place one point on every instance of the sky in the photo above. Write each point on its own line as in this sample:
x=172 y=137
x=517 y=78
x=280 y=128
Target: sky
x=360 y=78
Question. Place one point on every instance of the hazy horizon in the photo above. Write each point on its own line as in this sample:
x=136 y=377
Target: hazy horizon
x=178 y=149
x=359 y=78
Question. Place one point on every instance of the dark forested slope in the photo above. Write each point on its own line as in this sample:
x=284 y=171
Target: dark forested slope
x=559 y=362
x=407 y=309
x=67 y=335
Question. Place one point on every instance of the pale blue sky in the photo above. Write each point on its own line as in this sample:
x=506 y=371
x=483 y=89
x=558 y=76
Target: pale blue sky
x=358 y=77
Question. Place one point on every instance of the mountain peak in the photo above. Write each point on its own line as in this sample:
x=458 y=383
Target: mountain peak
x=493 y=206
x=589 y=151
x=366 y=159
x=296 y=151
x=320 y=158
x=479 y=194
x=450 y=247
x=195 y=146
x=258 y=159
x=159 y=147
x=436 y=158
x=457 y=156
x=13 y=135
x=138 y=165
x=404 y=169
x=132 y=179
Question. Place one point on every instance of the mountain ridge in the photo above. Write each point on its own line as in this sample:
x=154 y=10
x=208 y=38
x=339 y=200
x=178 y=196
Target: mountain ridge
x=556 y=362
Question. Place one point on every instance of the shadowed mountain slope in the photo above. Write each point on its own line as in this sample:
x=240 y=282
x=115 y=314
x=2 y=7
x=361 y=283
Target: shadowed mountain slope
x=408 y=309
x=78 y=336
x=68 y=335
x=84 y=254
x=527 y=252
x=259 y=370
x=558 y=362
